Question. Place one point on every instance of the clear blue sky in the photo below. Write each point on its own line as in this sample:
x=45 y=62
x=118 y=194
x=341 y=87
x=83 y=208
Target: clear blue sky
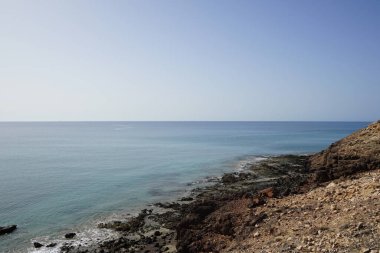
x=189 y=60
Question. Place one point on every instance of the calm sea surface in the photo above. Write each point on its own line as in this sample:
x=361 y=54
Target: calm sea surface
x=54 y=176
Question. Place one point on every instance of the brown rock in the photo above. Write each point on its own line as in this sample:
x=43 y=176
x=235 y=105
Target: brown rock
x=268 y=192
x=357 y=152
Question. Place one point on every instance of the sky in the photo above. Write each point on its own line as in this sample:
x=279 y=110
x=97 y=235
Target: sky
x=81 y=60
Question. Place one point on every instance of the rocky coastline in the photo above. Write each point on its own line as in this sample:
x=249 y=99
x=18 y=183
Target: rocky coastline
x=241 y=211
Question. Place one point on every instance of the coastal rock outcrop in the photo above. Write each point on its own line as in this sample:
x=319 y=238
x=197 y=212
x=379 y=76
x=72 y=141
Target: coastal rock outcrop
x=357 y=152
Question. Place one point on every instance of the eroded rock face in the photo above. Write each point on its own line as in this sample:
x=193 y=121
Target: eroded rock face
x=359 y=151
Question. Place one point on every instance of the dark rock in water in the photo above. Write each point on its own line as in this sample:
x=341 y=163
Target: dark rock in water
x=7 y=229
x=51 y=245
x=37 y=245
x=70 y=235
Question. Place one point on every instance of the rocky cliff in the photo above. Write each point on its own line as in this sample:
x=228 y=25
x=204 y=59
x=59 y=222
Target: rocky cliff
x=359 y=151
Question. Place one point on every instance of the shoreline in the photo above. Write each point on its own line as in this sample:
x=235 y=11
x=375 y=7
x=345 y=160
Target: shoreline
x=164 y=217
x=89 y=234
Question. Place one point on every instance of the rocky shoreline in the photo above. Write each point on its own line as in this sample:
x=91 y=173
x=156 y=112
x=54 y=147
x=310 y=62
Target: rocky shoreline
x=157 y=229
x=226 y=215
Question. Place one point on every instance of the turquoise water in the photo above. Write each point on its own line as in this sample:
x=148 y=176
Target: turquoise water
x=56 y=175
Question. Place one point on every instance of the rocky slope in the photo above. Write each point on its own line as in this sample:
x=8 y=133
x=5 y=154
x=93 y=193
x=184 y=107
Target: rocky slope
x=357 y=152
x=341 y=216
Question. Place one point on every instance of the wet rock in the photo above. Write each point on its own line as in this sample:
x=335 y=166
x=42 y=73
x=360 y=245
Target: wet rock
x=70 y=235
x=37 y=245
x=7 y=229
x=51 y=245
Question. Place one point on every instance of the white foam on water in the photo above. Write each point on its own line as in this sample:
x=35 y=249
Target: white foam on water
x=88 y=237
x=246 y=163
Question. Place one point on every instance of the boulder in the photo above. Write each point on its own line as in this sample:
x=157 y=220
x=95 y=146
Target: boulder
x=7 y=229
x=37 y=245
x=70 y=235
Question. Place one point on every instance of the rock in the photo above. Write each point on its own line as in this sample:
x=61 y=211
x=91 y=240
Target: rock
x=331 y=185
x=7 y=229
x=70 y=235
x=37 y=245
x=359 y=151
x=229 y=178
x=204 y=209
x=51 y=245
x=258 y=219
x=223 y=224
x=173 y=205
x=186 y=199
x=257 y=200
x=268 y=192
x=360 y=225
x=157 y=233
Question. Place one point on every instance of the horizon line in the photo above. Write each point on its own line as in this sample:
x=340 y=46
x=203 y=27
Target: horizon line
x=147 y=121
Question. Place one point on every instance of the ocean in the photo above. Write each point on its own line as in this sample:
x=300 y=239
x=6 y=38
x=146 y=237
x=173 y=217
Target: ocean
x=62 y=176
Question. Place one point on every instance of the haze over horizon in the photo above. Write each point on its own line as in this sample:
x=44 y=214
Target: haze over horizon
x=189 y=60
